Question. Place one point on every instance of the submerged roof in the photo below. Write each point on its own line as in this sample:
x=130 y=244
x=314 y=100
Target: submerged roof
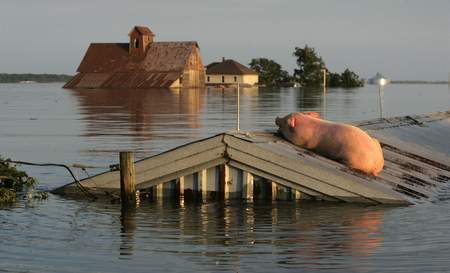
x=229 y=67
x=411 y=173
x=159 y=64
x=114 y=57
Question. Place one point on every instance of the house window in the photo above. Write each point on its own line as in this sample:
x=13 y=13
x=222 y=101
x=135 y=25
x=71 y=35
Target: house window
x=235 y=79
x=223 y=78
x=136 y=43
x=208 y=78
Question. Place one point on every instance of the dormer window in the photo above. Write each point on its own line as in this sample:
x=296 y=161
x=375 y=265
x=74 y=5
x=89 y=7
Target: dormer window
x=136 y=43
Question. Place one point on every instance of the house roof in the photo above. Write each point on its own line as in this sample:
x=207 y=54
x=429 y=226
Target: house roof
x=114 y=57
x=142 y=30
x=229 y=67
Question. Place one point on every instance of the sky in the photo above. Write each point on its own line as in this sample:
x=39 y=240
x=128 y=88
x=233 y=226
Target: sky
x=402 y=39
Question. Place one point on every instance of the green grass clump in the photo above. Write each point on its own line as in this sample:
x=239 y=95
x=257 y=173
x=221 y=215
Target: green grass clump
x=7 y=195
x=12 y=181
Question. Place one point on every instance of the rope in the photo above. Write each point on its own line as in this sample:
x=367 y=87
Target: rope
x=77 y=182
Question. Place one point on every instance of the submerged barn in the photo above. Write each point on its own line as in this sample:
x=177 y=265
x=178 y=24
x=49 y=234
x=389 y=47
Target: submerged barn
x=141 y=63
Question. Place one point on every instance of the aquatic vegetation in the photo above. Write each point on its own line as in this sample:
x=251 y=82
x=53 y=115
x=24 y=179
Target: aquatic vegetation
x=14 y=182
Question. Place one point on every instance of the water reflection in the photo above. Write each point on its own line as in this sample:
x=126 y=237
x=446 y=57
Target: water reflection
x=75 y=236
x=310 y=98
x=134 y=112
x=298 y=235
x=128 y=228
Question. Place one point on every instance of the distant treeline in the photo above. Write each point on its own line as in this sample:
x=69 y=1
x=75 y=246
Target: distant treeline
x=41 y=78
x=311 y=71
x=419 y=82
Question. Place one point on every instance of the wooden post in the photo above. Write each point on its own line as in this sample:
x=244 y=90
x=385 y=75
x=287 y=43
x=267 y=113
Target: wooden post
x=181 y=186
x=247 y=185
x=203 y=181
x=298 y=195
x=127 y=179
x=224 y=180
x=274 y=191
x=158 y=192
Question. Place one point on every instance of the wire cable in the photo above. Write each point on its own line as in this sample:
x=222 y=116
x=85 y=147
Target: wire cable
x=77 y=182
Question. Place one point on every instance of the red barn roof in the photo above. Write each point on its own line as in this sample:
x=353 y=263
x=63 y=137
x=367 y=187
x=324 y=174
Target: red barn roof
x=113 y=57
x=108 y=65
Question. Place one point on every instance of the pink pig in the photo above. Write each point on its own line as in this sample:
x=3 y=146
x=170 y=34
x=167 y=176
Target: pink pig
x=341 y=142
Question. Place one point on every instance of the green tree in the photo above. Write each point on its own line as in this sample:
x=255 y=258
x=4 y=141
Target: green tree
x=310 y=65
x=270 y=72
x=334 y=79
x=349 y=79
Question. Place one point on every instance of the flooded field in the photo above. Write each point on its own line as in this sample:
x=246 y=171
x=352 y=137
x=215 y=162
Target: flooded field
x=44 y=123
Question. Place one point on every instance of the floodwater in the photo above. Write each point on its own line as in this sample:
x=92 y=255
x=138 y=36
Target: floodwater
x=44 y=123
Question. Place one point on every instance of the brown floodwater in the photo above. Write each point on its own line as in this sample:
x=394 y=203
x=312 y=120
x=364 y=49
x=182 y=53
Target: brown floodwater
x=44 y=123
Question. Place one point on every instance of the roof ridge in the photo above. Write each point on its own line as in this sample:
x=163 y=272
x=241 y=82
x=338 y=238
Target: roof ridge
x=229 y=66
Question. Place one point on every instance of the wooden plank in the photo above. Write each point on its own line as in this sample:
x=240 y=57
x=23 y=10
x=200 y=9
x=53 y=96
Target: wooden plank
x=235 y=183
x=269 y=176
x=181 y=172
x=180 y=164
x=411 y=149
x=213 y=181
x=179 y=153
x=350 y=193
x=413 y=166
x=396 y=183
x=285 y=157
x=287 y=174
x=418 y=156
x=160 y=174
x=191 y=186
x=106 y=181
x=394 y=174
x=402 y=121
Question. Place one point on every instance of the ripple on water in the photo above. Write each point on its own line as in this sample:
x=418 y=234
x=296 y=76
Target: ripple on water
x=91 y=126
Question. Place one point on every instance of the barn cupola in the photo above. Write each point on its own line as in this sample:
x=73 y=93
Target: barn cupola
x=140 y=38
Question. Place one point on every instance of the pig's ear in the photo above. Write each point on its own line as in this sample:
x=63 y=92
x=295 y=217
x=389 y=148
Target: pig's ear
x=291 y=122
x=312 y=114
